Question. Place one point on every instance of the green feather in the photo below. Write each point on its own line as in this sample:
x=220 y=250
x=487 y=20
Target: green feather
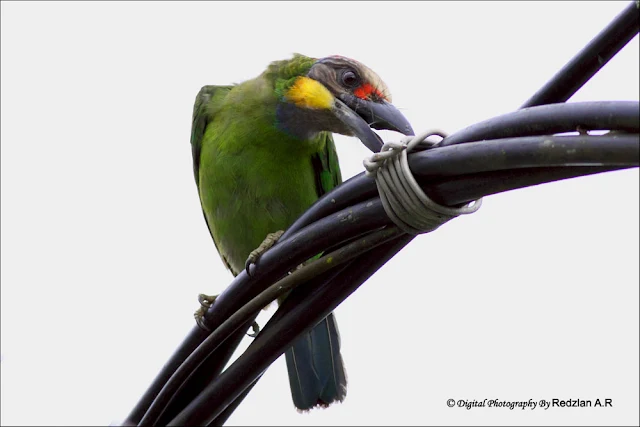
x=299 y=65
x=284 y=73
x=253 y=179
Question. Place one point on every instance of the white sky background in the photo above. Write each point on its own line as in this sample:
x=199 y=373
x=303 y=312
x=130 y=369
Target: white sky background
x=104 y=247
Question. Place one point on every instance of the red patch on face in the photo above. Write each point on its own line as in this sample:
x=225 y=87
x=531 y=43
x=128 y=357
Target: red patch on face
x=366 y=90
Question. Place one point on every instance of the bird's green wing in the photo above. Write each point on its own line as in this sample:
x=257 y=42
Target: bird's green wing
x=326 y=166
x=207 y=103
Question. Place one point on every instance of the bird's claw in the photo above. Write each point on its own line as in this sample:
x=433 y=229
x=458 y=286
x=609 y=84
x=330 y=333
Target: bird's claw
x=582 y=131
x=205 y=302
x=267 y=243
x=256 y=330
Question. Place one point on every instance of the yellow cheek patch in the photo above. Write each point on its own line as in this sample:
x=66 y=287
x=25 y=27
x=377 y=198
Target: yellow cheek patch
x=309 y=93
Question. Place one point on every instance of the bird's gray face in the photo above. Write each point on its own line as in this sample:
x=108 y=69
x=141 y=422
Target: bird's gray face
x=362 y=100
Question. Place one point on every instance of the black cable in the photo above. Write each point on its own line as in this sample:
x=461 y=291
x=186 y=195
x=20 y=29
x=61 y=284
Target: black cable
x=224 y=415
x=314 y=283
x=530 y=161
x=551 y=119
x=270 y=343
x=248 y=312
x=589 y=60
x=284 y=256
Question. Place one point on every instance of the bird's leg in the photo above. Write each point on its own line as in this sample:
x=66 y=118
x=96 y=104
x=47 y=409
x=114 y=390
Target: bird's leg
x=205 y=302
x=268 y=242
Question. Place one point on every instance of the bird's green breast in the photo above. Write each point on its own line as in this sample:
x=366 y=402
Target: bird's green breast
x=254 y=179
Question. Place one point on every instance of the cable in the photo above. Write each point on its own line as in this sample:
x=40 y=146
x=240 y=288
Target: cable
x=249 y=310
x=589 y=60
x=272 y=342
x=532 y=153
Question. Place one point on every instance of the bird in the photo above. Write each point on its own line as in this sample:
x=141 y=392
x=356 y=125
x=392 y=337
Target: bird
x=263 y=153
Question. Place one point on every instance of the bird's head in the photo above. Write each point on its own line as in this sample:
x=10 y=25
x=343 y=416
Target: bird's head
x=341 y=95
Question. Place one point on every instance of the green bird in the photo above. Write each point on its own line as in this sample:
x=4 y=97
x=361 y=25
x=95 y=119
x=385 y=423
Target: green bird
x=263 y=153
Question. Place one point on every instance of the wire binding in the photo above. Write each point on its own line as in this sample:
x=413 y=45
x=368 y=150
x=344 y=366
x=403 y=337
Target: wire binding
x=402 y=198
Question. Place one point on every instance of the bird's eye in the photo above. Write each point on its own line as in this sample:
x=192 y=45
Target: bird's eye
x=350 y=79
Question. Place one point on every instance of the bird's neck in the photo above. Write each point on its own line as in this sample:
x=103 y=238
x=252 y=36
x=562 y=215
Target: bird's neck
x=301 y=123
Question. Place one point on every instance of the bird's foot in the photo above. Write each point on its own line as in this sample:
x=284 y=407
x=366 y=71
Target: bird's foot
x=269 y=241
x=205 y=302
x=256 y=330
x=582 y=131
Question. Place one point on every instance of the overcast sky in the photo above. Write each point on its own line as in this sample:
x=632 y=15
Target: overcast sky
x=104 y=247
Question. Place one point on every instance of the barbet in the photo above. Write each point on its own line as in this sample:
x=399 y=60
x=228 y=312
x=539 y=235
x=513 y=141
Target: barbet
x=263 y=153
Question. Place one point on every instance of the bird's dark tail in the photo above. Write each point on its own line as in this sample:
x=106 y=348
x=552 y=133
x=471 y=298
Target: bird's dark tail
x=316 y=372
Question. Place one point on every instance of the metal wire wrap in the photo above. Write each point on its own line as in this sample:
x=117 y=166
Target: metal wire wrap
x=402 y=198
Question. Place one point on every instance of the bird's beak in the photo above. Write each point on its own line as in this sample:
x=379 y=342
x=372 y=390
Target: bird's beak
x=379 y=115
x=361 y=115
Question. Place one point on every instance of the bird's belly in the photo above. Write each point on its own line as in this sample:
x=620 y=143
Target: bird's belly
x=256 y=202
